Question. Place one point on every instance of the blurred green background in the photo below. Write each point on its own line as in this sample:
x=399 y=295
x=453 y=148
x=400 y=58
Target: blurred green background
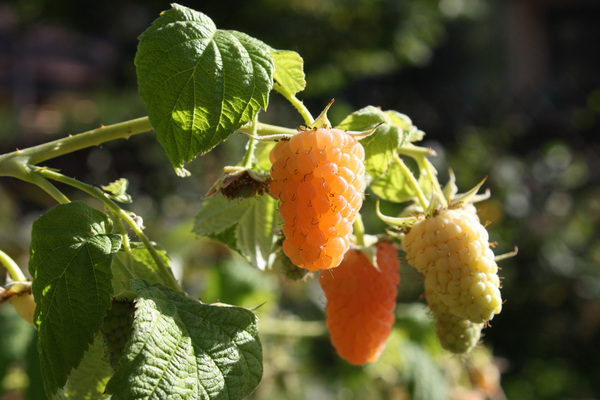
x=504 y=89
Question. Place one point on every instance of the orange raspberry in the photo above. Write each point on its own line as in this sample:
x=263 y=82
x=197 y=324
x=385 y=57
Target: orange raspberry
x=453 y=252
x=360 y=303
x=319 y=177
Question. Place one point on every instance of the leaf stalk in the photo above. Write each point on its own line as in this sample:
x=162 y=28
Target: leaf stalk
x=12 y=267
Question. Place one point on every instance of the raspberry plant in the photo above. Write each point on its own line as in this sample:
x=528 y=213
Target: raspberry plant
x=97 y=295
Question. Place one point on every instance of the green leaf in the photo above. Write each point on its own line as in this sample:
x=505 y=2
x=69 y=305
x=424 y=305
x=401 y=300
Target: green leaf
x=199 y=83
x=395 y=187
x=255 y=233
x=88 y=380
x=263 y=149
x=381 y=145
x=228 y=237
x=181 y=348
x=289 y=71
x=411 y=133
x=34 y=372
x=218 y=213
x=245 y=225
x=364 y=119
x=71 y=253
x=141 y=264
x=118 y=191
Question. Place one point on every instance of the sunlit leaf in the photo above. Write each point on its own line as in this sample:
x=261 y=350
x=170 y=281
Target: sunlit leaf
x=199 y=83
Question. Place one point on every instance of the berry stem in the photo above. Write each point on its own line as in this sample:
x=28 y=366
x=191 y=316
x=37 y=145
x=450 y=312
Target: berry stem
x=126 y=246
x=48 y=187
x=359 y=230
x=164 y=272
x=299 y=105
x=12 y=267
x=416 y=151
x=251 y=146
x=431 y=171
x=267 y=129
x=412 y=181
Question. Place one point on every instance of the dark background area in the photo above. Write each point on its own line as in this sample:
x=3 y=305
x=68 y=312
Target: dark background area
x=504 y=89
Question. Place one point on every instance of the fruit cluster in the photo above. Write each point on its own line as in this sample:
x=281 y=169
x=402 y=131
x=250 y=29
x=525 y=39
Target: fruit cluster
x=452 y=250
x=360 y=303
x=116 y=329
x=318 y=175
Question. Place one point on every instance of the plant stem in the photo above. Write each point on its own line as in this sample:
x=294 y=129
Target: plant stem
x=415 y=151
x=12 y=267
x=249 y=156
x=359 y=230
x=412 y=181
x=94 y=137
x=266 y=129
x=431 y=171
x=120 y=213
x=306 y=115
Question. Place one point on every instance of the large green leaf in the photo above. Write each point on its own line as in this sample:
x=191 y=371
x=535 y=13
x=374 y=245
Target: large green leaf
x=199 y=83
x=181 y=348
x=70 y=257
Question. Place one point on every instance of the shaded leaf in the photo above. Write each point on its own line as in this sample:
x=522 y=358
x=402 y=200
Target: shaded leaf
x=218 y=213
x=88 y=380
x=255 y=233
x=141 y=264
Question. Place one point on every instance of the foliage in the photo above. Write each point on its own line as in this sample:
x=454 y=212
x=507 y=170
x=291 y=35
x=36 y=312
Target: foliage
x=201 y=86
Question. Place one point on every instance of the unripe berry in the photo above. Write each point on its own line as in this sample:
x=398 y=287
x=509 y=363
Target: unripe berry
x=455 y=334
x=360 y=303
x=452 y=250
x=319 y=177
